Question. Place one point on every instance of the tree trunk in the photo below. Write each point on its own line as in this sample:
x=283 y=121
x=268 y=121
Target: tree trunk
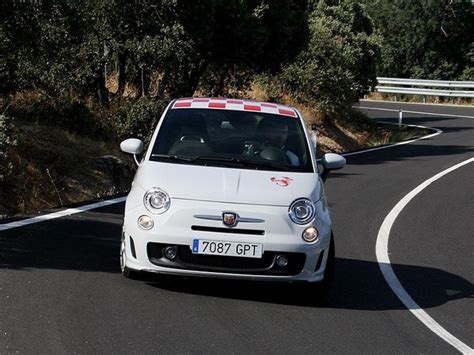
x=161 y=83
x=145 y=81
x=122 y=59
x=219 y=89
x=102 y=92
x=195 y=76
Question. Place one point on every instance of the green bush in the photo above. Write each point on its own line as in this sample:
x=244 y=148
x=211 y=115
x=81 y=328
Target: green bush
x=425 y=39
x=136 y=119
x=120 y=120
x=6 y=142
x=79 y=117
x=339 y=64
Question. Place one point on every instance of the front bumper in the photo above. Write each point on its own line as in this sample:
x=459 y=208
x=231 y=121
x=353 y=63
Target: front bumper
x=278 y=235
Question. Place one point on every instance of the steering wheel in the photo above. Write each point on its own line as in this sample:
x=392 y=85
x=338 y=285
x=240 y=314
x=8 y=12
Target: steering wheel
x=252 y=148
x=192 y=138
x=274 y=154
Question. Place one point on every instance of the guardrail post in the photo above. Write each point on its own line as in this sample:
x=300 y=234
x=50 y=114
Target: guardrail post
x=400 y=117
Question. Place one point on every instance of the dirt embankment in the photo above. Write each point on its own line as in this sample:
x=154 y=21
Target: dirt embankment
x=53 y=167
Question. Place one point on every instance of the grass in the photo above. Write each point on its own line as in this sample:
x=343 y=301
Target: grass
x=421 y=99
x=358 y=132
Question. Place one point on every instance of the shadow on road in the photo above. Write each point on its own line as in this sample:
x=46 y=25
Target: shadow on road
x=359 y=285
x=90 y=242
x=87 y=241
x=424 y=148
x=402 y=152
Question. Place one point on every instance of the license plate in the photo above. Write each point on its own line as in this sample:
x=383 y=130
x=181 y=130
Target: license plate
x=214 y=247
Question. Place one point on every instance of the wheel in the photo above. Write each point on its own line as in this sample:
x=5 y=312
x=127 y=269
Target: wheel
x=127 y=272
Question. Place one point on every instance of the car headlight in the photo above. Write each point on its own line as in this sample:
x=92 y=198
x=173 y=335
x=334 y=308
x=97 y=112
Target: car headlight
x=302 y=211
x=156 y=200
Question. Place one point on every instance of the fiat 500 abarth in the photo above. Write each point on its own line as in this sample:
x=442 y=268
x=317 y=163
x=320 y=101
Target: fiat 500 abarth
x=230 y=189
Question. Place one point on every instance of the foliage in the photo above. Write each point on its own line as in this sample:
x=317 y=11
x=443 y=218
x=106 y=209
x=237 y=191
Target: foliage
x=63 y=51
x=6 y=143
x=235 y=40
x=425 y=39
x=136 y=119
x=54 y=47
x=62 y=47
x=338 y=65
x=84 y=118
x=320 y=52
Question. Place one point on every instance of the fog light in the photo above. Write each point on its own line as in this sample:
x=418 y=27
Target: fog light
x=145 y=222
x=171 y=253
x=310 y=234
x=282 y=260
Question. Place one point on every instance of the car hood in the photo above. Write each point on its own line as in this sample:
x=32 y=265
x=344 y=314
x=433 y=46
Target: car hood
x=205 y=183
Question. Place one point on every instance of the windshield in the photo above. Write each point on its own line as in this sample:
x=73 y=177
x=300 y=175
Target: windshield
x=235 y=139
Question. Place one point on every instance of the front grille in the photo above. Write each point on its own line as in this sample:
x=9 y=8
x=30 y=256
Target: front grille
x=225 y=262
x=228 y=230
x=230 y=264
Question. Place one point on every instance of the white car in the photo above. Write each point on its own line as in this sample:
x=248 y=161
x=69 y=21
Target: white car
x=229 y=189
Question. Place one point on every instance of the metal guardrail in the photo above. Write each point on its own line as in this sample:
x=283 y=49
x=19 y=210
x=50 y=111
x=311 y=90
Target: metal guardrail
x=425 y=87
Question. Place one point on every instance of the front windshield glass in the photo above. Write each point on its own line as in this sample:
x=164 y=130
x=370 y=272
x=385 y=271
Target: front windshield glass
x=235 y=139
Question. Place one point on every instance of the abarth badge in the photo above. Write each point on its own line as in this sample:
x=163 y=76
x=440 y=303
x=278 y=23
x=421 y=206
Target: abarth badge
x=229 y=219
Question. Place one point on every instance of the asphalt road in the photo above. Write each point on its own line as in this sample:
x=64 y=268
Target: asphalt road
x=61 y=290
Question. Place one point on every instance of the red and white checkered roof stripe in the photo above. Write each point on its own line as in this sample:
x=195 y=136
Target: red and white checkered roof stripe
x=234 y=104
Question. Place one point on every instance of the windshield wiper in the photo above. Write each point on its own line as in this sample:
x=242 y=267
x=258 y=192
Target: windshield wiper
x=226 y=160
x=243 y=162
x=172 y=157
x=263 y=163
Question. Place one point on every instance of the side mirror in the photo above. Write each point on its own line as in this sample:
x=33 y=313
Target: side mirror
x=330 y=162
x=132 y=146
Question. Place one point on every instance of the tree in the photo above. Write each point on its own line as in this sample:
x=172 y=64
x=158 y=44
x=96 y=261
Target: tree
x=339 y=64
x=235 y=40
x=168 y=47
x=53 y=47
x=425 y=38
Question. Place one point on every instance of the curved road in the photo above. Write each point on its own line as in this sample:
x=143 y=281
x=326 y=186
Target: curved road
x=61 y=290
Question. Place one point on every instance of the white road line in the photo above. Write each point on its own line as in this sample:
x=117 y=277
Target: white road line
x=438 y=131
x=381 y=251
x=59 y=214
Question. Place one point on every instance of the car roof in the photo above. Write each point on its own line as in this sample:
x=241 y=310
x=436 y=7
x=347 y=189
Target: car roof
x=222 y=103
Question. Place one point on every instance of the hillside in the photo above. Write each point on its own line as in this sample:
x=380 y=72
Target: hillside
x=53 y=167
